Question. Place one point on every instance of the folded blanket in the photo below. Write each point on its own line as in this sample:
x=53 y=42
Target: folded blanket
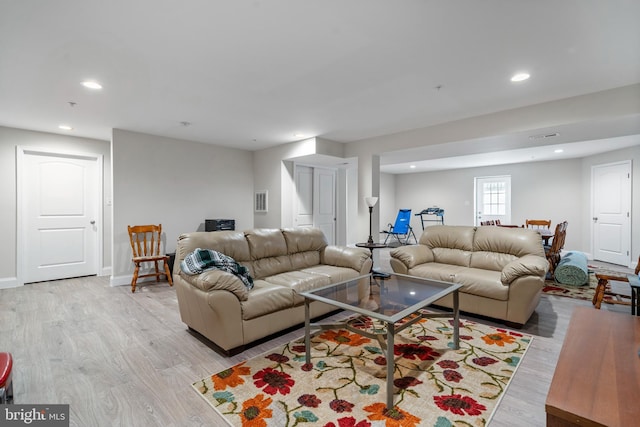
x=572 y=269
x=206 y=259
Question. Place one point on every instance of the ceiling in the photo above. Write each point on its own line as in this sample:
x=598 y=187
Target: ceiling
x=252 y=74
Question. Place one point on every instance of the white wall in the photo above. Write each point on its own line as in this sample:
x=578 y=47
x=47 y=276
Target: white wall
x=540 y=190
x=10 y=138
x=558 y=190
x=176 y=183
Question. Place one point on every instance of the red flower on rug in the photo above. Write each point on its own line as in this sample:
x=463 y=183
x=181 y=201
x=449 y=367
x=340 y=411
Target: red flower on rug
x=499 y=339
x=342 y=336
x=349 y=422
x=273 y=381
x=395 y=417
x=459 y=404
x=255 y=410
x=413 y=351
x=231 y=377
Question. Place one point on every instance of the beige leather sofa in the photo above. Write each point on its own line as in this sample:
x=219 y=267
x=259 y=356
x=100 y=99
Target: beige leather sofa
x=502 y=270
x=282 y=262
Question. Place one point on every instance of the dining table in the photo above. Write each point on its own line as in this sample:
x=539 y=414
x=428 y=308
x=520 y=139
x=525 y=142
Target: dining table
x=546 y=234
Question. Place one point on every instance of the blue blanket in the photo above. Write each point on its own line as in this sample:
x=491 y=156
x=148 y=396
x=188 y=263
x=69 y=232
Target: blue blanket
x=572 y=269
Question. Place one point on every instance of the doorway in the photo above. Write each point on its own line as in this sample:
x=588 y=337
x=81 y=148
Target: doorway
x=611 y=212
x=59 y=216
x=493 y=199
x=315 y=199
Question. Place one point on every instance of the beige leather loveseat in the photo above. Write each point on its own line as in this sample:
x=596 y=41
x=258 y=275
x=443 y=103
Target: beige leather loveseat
x=282 y=263
x=502 y=270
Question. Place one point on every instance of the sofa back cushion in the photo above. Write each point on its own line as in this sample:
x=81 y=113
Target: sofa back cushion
x=450 y=244
x=268 y=249
x=495 y=247
x=231 y=243
x=304 y=246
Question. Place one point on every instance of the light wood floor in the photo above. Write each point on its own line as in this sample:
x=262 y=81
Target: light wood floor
x=123 y=359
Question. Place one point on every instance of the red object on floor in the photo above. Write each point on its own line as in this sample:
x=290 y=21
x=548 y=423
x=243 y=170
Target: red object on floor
x=6 y=389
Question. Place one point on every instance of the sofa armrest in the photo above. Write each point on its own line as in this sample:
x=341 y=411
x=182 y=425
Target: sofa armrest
x=413 y=255
x=217 y=280
x=344 y=256
x=528 y=265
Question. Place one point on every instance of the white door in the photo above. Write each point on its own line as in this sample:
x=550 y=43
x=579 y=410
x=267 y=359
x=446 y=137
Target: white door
x=611 y=208
x=315 y=201
x=304 y=196
x=493 y=199
x=324 y=215
x=59 y=196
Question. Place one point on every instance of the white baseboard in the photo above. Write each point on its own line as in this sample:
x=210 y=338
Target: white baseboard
x=10 y=282
x=126 y=279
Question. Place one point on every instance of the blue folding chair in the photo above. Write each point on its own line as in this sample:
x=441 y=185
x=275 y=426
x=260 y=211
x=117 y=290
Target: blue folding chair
x=401 y=230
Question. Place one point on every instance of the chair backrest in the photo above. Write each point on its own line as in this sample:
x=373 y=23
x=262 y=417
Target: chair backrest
x=402 y=221
x=145 y=240
x=557 y=244
x=538 y=223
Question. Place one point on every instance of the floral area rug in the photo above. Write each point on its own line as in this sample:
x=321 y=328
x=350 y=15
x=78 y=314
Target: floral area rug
x=584 y=292
x=345 y=384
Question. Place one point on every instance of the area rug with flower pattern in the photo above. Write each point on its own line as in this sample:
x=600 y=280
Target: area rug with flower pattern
x=345 y=384
x=584 y=292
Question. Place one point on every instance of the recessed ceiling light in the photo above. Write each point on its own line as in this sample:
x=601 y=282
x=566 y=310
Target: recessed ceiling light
x=65 y=127
x=90 y=84
x=559 y=150
x=412 y=166
x=298 y=135
x=520 y=77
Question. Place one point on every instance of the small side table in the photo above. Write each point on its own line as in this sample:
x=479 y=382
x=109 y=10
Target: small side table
x=371 y=247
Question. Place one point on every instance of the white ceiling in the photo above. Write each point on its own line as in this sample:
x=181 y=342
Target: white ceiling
x=253 y=73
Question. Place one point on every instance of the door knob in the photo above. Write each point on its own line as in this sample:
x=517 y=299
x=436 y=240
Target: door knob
x=93 y=222
x=595 y=218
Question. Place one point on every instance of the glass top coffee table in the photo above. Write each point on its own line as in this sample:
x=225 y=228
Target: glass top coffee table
x=397 y=306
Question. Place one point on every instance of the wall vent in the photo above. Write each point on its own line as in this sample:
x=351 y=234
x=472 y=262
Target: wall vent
x=262 y=201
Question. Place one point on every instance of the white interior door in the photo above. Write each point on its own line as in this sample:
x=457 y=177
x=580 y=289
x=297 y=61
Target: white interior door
x=611 y=207
x=493 y=199
x=315 y=201
x=59 y=201
x=324 y=215
x=304 y=196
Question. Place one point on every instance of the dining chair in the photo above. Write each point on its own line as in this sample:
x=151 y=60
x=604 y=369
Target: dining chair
x=553 y=252
x=603 y=288
x=538 y=223
x=145 y=246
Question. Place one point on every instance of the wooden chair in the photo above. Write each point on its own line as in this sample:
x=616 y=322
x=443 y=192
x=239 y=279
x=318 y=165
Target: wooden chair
x=603 y=287
x=537 y=223
x=145 y=246
x=553 y=252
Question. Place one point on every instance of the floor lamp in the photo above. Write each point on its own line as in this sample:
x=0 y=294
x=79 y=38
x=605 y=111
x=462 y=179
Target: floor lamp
x=371 y=202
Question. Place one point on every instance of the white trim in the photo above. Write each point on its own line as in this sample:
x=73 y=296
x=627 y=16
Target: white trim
x=9 y=282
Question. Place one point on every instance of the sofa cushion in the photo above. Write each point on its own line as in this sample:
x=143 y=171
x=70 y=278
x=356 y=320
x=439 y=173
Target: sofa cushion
x=230 y=243
x=304 y=239
x=335 y=274
x=484 y=283
x=266 y=243
x=515 y=241
x=448 y=236
x=266 y=298
x=218 y=280
x=494 y=261
x=298 y=281
x=436 y=271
